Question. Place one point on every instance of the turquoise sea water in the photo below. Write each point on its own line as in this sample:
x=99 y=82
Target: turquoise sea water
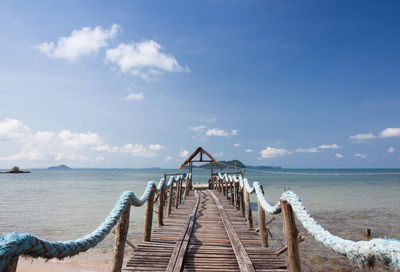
x=63 y=205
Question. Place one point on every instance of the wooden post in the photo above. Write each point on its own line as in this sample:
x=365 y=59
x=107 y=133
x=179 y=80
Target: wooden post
x=180 y=191
x=12 y=265
x=291 y=233
x=148 y=217
x=234 y=195
x=226 y=190
x=121 y=232
x=249 y=215
x=177 y=195
x=187 y=187
x=161 y=207
x=170 y=196
x=231 y=187
x=241 y=198
x=263 y=229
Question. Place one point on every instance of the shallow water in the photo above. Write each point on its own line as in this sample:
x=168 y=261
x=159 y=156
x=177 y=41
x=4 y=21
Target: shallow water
x=64 y=205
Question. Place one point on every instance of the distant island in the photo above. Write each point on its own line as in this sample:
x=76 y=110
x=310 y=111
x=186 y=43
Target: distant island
x=239 y=164
x=15 y=170
x=59 y=167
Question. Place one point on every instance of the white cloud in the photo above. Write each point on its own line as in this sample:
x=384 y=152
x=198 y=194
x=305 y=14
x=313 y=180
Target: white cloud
x=219 y=154
x=329 y=146
x=308 y=150
x=271 y=152
x=221 y=132
x=390 y=132
x=64 y=145
x=155 y=147
x=362 y=137
x=77 y=140
x=143 y=59
x=12 y=128
x=359 y=155
x=339 y=156
x=80 y=43
x=137 y=150
x=183 y=153
x=248 y=150
x=99 y=159
x=391 y=149
x=167 y=158
x=237 y=145
x=106 y=147
x=198 y=128
x=135 y=96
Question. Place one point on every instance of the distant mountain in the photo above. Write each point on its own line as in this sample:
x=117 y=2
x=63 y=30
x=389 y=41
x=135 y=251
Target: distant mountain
x=59 y=167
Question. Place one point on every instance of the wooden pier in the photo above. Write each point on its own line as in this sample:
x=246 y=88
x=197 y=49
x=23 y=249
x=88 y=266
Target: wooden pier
x=206 y=233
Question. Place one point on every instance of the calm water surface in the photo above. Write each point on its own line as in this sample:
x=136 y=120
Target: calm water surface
x=64 y=205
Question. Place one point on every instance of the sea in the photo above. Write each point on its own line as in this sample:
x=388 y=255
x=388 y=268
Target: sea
x=61 y=205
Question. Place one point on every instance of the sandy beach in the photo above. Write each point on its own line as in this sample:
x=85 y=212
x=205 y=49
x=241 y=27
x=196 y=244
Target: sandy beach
x=68 y=265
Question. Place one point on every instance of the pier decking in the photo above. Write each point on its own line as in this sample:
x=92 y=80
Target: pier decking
x=206 y=233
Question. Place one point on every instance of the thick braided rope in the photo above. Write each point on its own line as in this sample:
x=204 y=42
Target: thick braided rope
x=14 y=244
x=364 y=253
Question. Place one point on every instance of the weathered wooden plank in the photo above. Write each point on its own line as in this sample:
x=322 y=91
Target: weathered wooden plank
x=176 y=260
x=242 y=258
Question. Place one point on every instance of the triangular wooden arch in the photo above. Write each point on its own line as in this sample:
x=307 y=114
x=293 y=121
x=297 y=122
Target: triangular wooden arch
x=200 y=151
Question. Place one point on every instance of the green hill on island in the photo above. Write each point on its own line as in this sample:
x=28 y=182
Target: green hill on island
x=59 y=167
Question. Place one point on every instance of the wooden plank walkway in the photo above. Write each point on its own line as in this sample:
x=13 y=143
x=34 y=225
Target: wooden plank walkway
x=204 y=234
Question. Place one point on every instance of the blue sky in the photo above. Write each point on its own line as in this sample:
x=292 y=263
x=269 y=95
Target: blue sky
x=140 y=84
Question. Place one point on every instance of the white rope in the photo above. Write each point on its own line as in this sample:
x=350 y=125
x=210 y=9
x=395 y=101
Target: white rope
x=363 y=253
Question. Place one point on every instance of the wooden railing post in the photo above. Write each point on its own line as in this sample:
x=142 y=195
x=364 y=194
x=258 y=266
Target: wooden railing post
x=177 y=195
x=226 y=189
x=249 y=215
x=187 y=187
x=180 y=191
x=231 y=187
x=121 y=232
x=262 y=227
x=241 y=205
x=234 y=195
x=148 y=217
x=12 y=265
x=161 y=207
x=291 y=233
x=170 y=196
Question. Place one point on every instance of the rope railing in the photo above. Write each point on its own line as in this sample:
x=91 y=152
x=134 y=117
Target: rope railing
x=363 y=253
x=14 y=244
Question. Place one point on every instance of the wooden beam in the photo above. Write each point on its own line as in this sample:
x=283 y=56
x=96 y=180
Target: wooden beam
x=194 y=154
